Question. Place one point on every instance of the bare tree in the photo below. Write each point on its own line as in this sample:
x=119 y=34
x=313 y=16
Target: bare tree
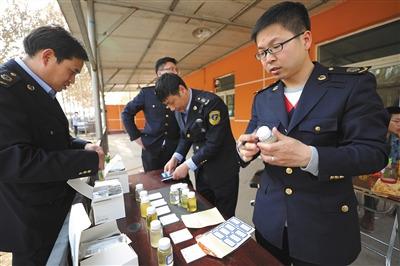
x=17 y=20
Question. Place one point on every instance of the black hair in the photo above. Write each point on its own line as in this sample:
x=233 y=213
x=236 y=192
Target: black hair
x=54 y=37
x=167 y=85
x=162 y=61
x=393 y=110
x=293 y=16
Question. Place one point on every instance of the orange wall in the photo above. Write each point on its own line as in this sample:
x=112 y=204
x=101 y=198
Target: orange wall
x=113 y=116
x=342 y=19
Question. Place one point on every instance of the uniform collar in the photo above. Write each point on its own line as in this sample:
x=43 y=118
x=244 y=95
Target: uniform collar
x=189 y=102
x=40 y=81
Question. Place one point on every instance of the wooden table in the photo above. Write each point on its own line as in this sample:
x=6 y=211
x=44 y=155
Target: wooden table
x=250 y=253
x=363 y=185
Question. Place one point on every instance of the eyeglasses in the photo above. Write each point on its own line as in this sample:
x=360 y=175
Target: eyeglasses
x=276 y=48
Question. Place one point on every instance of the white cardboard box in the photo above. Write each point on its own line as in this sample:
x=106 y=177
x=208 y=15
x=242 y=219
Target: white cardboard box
x=107 y=198
x=116 y=254
x=115 y=169
x=108 y=201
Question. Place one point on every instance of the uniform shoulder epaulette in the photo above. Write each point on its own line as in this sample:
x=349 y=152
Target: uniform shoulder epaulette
x=7 y=77
x=202 y=99
x=268 y=87
x=348 y=70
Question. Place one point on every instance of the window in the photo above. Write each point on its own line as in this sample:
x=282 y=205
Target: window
x=225 y=88
x=379 y=48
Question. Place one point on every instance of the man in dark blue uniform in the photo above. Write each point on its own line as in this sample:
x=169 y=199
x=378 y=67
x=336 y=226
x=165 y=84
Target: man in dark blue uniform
x=37 y=153
x=330 y=125
x=160 y=135
x=204 y=121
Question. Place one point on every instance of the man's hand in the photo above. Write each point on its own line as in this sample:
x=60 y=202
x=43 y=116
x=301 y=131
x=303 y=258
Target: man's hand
x=247 y=146
x=171 y=165
x=140 y=143
x=100 y=153
x=286 y=151
x=181 y=171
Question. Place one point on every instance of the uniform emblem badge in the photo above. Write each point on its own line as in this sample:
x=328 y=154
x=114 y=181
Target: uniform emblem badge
x=352 y=69
x=214 y=117
x=30 y=87
x=321 y=77
x=6 y=77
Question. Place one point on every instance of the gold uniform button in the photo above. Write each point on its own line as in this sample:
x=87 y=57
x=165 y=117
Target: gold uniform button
x=344 y=208
x=317 y=128
x=165 y=133
x=166 y=124
x=331 y=177
x=331 y=68
x=197 y=147
x=188 y=135
x=289 y=171
x=288 y=191
x=166 y=115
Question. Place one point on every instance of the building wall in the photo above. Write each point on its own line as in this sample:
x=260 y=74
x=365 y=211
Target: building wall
x=114 y=122
x=342 y=19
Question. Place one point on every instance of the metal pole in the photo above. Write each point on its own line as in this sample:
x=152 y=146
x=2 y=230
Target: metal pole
x=94 y=74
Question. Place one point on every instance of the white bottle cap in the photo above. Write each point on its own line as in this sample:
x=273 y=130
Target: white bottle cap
x=151 y=210
x=164 y=243
x=173 y=188
x=142 y=193
x=155 y=225
x=139 y=186
x=264 y=134
x=191 y=194
x=144 y=199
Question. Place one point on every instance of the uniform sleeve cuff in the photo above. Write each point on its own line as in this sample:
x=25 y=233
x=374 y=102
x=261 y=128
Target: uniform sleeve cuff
x=191 y=164
x=312 y=166
x=178 y=156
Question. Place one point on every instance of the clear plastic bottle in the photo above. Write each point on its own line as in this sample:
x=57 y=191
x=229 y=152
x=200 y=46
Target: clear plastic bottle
x=138 y=188
x=184 y=198
x=164 y=252
x=151 y=215
x=191 y=202
x=144 y=203
x=156 y=233
x=174 y=195
x=142 y=193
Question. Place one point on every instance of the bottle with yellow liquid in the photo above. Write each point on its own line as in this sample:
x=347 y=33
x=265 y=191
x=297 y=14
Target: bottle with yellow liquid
x=191 y=202
x=156 y=233
x=142 y=193
x=151 y=215
x=164 y=252
x=144 y=203
x=184 y=198
x=174 y=195
x=138 y=188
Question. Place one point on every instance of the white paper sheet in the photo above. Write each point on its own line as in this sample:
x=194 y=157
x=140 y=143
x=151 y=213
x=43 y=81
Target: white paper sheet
x=155 y=196
x=180 y=236
x=163 y=210
x=158 y=203
x=192 y=253
x=203 y=219
x=169 y=219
